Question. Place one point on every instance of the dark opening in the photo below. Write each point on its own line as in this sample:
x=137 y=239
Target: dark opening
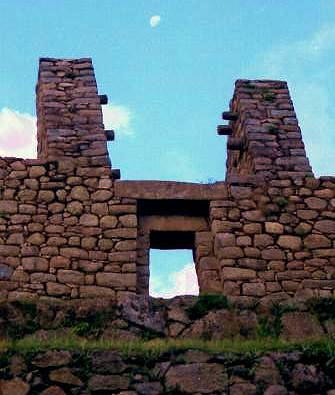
x=171 y=240
x=193 y=208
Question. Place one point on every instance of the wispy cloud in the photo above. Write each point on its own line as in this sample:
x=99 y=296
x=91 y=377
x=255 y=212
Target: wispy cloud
x=17 y=134
x=155 y=20
x=182 y=282
x=117 y=117
x=304 y=64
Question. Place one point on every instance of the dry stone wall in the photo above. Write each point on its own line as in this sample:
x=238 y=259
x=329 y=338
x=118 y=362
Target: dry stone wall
x=278 y=241
x=69 y=230
x=63 y=233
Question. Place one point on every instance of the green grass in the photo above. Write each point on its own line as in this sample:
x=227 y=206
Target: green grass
x=157 y=347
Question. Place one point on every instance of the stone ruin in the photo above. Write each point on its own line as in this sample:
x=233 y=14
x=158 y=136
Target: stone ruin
x=70 y=229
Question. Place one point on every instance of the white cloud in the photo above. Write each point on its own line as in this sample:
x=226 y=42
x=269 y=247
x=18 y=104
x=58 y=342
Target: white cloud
x=304 y=64
x=155 y=20
x=117 y=117
x=182 y=282
x=17 y=134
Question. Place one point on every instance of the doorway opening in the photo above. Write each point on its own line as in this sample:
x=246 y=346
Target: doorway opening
x=172 y=273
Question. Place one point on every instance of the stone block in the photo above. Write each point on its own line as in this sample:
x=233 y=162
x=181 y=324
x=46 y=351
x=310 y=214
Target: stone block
x=325 y=226
x=118 y=280
x=263 y=240
x=225 y=240
x=91 y=291
x=70 y=277
x=300 y=325
x=197 y=378
x=317 y=241
x=55 y=289
x=34 y=263
x=108 y=221
x=274 y=227
x=273 y=254
x=8 y=207
x=237 y=274
x=6 y=250
x=80 y=193
x=89 y=220
x=316 y=203
x=290 y=242
x=253 y=289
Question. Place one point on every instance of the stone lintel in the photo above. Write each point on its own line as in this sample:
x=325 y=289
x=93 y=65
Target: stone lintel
x=170 y=190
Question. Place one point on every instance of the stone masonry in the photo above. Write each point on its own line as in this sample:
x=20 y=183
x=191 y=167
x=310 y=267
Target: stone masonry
x=70 y=229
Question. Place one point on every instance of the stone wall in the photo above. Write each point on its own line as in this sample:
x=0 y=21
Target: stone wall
x=68 y=229
x=63 y=233
x=182 y=372
x=277 y=241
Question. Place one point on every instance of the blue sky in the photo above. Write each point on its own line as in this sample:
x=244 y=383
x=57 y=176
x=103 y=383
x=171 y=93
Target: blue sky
x=169 y=83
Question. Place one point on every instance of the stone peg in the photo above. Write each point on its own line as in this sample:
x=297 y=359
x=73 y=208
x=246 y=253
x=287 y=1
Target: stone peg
x=229 y=116
x=236 y=143
x=224 y=130
x=103 y=99
x=110 y=135
x=116 y=174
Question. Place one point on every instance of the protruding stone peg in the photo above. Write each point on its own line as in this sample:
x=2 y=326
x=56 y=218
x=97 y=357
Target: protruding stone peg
x=235 y=143
x=116 y=174
x=224 y=130
x=229 y=116
x=103 y=99
x=110 y=135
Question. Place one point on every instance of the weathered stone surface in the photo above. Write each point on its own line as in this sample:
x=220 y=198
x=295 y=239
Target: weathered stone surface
x=89 y=220
x=75 y=207
x=273 y=254
x=316 y=241
x=65 y=376
x=15 y=386
x=108 y=383
x=36 y=239
x=263 y=240
x=232 y=273
x=315 y=203
x=151 y=388
x=80 y=193
x=290 y=242
x=9 y=250
x=101 y=196
x=108 y=221
x=52 y=359
x=231 y=252
x=107 y=362
x=325 y=226
x=55 y=289
x=53 y=390
x=267 y=372
x=128 y=221
x=274 y=227
x=276 y=390
x=297 y=325
x=8 y=207
x=70 y=277
x=197 y=377
x=116 y=279
x=253 y=289
x=91 y=291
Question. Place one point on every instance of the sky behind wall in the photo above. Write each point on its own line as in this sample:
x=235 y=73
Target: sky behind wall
x=168 y=79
